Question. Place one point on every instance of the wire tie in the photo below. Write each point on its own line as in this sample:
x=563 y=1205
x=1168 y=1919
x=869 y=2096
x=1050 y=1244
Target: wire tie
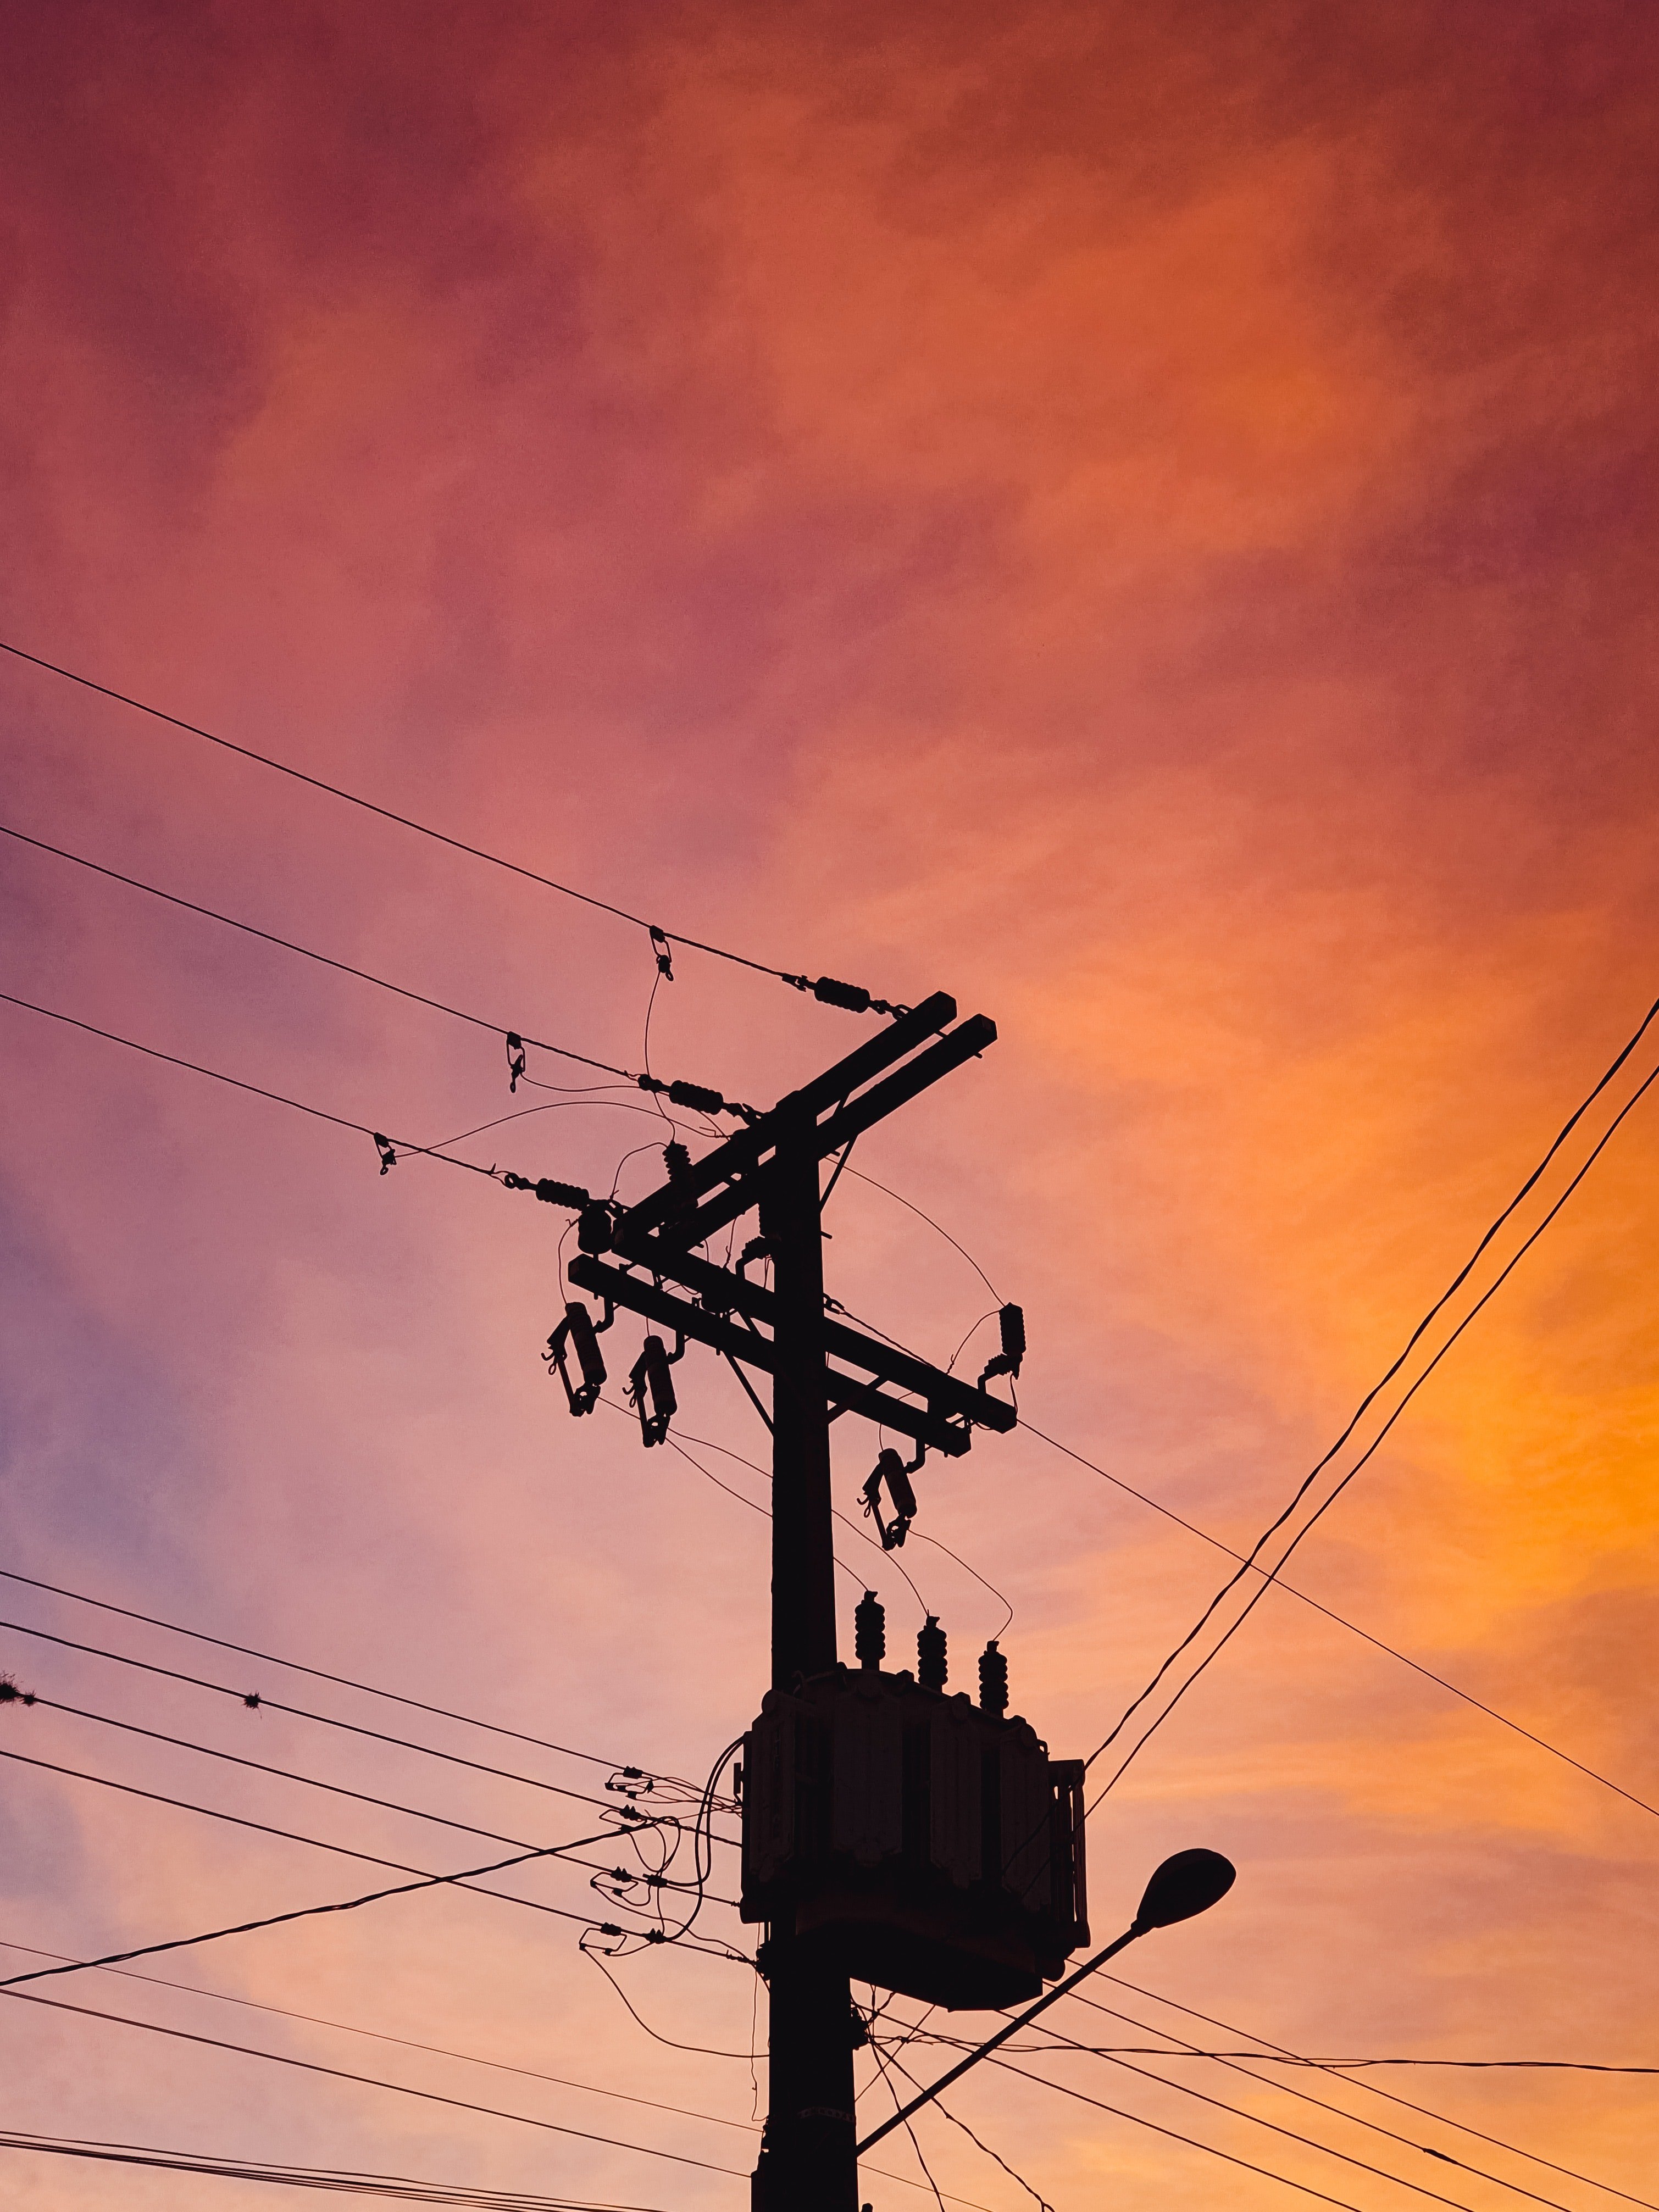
x=383 y=1146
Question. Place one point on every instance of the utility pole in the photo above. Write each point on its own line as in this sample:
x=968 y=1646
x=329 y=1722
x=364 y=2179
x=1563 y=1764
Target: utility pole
x=808 y=2158
x=942 y=1911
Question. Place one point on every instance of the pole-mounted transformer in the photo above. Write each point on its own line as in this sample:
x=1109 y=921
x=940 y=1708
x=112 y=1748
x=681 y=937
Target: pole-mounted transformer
x=910 y=1838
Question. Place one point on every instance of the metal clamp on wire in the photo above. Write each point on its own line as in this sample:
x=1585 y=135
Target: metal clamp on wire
x=651 y=1388
x=577 y=1333
x=891 y=1469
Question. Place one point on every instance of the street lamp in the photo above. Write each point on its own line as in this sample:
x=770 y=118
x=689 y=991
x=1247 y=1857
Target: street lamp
x=1183 y=1887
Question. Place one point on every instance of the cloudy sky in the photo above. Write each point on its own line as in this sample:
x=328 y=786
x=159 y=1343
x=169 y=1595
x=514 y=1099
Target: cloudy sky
x=1141 y=517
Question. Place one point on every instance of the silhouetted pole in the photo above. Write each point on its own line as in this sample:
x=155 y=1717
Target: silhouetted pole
x=807 y=2161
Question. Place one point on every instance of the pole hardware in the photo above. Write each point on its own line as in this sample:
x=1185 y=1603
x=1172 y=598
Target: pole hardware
x=578 y=1332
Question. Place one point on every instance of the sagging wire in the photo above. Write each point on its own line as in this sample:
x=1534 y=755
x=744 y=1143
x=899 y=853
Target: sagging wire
x=826 y=990
x=996 y=2157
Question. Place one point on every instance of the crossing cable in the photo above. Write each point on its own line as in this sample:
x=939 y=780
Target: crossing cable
x=33 y=1698
x=431 y=2049
x=825 y=989
x=898 y=2066
x=1230 y=2058
x=256 y=1700
x=1387 y=2096
x=1342 y=1622
x=341 y=1681
x=341 y=1850
x=366 y=2081
x=1063 y=2043
x=1193 y=2142
x=114 y=1958
x=374 y=2034
x=1311 y=1522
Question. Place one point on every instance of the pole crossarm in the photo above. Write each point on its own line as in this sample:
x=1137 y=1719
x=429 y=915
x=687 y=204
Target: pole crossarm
x=731 y=1178
x=721 y=1292
x=924 y=1423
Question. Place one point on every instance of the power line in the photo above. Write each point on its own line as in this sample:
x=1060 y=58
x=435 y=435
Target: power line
x=258 y=1090
x=305 y=952
x=828 y=992
x=1387 y=2096
x=1193 y=2142
x=341 y=1681
x=1439 y=1305
x=375 y=2035
x=1328 y=1502
x=406 y=2043
x=338 y=1789
x=692 y=1094
x=1342 y=1622
x=341 y=1850
x=256 y=1700
x=113 y=1958
x=397 y=2189
x=1241 y=2112
x=365 y=2081
x=1229 y=2059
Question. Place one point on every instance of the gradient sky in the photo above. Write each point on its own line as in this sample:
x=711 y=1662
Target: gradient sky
x=1141 y=517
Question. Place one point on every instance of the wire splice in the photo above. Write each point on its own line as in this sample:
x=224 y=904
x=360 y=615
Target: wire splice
x=383 y=1146
x=853 y=998
x=515 y=1059
x=664 y=952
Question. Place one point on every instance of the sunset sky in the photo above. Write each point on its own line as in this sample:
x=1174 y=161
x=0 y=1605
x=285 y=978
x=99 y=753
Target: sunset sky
x=1142 y=518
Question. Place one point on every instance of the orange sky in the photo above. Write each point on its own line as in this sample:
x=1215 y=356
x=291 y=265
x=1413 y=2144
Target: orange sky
x=1143 y=518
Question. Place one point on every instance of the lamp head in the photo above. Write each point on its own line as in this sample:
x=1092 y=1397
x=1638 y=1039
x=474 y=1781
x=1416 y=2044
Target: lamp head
x=1183 y=1887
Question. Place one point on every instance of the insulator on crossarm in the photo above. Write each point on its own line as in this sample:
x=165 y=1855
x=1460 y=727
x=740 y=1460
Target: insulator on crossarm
x=869 y=1630
x=651 y=1388
x=1012 y=1321
x=576 y=1334
x=993 y=1679
x=677 y=1160
x=932 y=1668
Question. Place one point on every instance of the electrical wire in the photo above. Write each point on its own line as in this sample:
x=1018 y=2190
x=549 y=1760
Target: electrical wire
x=235 y=1082
x=995 y=2156
x=256 y=1700
x=307 y=952
x=1386 y=2096
x=395 y=2189
x=386 y=814
x=320 y=1675
x=1240 y=2111
x=1342 y=1622
x=317 y=1843
x=1193 y=2142
x=113 y=1958
x=914 y=1208
x=375 y=2035
x=337 y=1789
x=1229 y=2059
x=367 y=2081
x=1256 y=1595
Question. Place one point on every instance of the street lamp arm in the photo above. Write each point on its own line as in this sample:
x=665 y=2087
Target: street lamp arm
x=1013 y=2028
